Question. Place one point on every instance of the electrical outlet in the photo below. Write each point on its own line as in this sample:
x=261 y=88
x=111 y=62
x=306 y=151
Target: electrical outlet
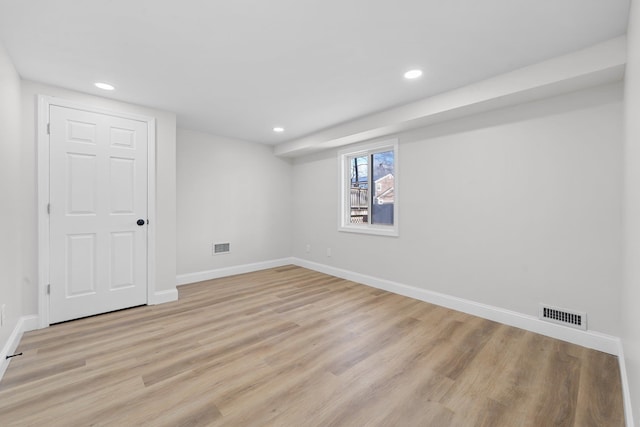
x=308 y=249
x=329 y=252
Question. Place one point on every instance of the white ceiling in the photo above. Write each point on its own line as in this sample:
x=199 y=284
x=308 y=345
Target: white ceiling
x=240 y=67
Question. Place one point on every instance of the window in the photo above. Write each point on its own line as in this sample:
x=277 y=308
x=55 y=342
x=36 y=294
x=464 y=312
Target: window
x=369 y=189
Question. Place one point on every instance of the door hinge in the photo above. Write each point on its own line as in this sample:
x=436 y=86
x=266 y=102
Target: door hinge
x=48 y=208
x=48 y=128
x=48 y=289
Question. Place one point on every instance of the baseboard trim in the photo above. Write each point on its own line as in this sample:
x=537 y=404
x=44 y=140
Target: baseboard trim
x=626 y=395
x=24 y=324
x=201 y=276
x=161 y=297
x=590 y=339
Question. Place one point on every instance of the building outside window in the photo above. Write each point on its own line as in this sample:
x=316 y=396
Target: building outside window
x=369 y=188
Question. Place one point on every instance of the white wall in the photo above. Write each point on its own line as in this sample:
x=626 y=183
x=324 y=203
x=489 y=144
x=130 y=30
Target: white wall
x=509 y=208
x=230 y=191
x=631 y=289
x=165 y=182
x=10 y=189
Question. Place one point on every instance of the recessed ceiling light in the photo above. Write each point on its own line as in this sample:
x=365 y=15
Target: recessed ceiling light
x=278 y=129
x=412 y=74
x=104 y=86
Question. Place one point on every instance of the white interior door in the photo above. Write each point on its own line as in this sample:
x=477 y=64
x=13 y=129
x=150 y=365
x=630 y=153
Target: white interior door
x=98 y=192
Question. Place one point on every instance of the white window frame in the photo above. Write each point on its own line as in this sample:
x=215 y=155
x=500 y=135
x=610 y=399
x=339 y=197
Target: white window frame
x=344 y=216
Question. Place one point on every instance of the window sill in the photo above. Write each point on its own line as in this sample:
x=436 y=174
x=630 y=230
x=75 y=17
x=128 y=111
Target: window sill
x=376 y=231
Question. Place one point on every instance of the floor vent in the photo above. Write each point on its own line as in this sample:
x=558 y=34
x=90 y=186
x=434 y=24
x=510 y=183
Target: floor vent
x=221 y=248
x=561 y=316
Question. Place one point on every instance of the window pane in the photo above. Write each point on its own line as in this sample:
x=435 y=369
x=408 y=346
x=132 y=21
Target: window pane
x=383 y=188
x=359 y=190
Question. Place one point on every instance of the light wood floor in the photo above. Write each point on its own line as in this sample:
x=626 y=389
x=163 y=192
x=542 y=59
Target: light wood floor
x=292 y=347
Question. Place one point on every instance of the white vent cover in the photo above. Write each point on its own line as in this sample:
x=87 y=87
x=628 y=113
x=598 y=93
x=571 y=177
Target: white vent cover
x=562 y=316
x=221 y=248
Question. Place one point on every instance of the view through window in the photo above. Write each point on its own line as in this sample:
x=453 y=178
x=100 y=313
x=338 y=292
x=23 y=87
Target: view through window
x=371 y=189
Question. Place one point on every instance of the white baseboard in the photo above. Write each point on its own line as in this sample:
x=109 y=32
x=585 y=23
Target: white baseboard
x=183 y=279
x=161 y=297
x=24 y=324
x=626 y=396
x=590 y=339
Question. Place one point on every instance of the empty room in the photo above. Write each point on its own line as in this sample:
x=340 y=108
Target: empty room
x=320 y=213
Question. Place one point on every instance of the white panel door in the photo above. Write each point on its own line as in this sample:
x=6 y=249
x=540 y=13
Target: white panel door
x=98 y=192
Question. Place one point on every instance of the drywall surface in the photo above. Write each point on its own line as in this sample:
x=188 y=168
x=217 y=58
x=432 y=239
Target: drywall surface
x=631 y=288
x=10 y=189
x=511 y=208
x=165 y=181
x=235 y=192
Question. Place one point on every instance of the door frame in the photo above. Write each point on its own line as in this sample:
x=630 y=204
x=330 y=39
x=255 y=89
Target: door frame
x=42 y=142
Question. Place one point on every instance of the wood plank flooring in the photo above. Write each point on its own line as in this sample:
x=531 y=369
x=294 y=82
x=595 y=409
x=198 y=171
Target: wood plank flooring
x=293 y=347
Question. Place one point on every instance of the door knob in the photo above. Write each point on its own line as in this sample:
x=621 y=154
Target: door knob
x=140 y=222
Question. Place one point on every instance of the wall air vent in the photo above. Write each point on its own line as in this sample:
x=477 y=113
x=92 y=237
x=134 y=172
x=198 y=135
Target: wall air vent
x=221 y=248
x=561 y=316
